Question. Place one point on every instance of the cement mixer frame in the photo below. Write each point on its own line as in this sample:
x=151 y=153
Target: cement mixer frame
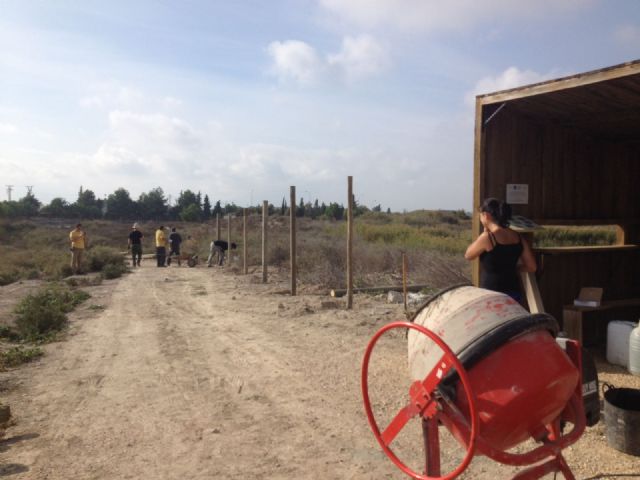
x=434 y=407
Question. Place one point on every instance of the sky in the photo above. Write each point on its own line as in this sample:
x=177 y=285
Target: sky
x=242 y=99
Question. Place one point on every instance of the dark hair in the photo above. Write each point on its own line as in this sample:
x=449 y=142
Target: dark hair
x=233 y=245
x=173 y=229
x=499 y=210
x=78 y=225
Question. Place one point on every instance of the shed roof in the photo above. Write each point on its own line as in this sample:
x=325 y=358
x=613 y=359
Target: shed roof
x=604 y=103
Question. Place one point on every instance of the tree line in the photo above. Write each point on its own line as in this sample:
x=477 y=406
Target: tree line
x=155 y=205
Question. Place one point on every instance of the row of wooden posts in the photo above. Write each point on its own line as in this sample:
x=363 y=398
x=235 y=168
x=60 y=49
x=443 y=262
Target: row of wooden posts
x=292 y=239
x=292 y=243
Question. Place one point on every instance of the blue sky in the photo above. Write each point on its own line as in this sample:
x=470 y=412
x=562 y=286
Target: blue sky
x=241 y=99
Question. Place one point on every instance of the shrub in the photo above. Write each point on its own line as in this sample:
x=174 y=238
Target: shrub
x=101 y=256
x=110 y=271
x=9 y=277
x=65 y=271
x=45 y=311
x=18 y=355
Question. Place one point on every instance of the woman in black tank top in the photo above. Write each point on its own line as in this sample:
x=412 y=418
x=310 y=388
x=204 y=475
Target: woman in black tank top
x=502 y=251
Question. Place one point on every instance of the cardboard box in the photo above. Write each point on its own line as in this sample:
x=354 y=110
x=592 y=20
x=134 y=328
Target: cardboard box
x=589 y=297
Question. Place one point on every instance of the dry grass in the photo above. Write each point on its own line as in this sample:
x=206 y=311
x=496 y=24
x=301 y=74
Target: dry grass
x=434 y=242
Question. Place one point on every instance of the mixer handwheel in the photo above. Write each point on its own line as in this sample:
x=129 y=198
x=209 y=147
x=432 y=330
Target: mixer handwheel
x=423 y=400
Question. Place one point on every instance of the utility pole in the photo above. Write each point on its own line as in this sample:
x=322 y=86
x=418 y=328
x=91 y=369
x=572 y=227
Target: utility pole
x=9 y=189
x=29 y=189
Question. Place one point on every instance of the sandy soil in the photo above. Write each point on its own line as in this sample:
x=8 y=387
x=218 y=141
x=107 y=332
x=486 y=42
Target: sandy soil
x=198 y=373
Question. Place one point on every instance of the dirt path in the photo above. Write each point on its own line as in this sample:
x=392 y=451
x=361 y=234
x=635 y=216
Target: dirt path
x=193 y=373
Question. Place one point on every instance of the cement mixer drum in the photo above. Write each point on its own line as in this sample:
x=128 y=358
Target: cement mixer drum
x=521 y=378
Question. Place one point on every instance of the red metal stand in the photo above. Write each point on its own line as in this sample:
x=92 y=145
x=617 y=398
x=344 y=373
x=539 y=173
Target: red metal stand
x=435 y=409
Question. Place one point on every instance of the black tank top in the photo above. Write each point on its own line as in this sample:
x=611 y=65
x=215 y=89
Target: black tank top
x=499 y=271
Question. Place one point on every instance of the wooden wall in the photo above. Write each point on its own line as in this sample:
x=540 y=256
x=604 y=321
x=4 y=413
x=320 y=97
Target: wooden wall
x=561 y=275
x=572 y=176
x=574 y=179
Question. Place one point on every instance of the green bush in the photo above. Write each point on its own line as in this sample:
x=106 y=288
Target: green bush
x=9 y=277
x=45 y=311
x=99 y=257
x=574 y=236
x=18 y=355
x=110 y=271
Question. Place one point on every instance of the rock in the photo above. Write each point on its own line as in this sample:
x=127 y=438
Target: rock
x=5 y=414
x=394 y=297
x=329 y=305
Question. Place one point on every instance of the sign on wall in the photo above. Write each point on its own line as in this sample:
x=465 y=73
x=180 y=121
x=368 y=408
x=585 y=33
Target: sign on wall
x=517 y=193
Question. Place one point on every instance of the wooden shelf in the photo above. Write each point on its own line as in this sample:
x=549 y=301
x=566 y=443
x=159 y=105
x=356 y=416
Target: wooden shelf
x=586 y=249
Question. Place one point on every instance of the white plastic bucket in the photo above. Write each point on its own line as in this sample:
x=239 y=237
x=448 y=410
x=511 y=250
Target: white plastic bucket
x=634 y=351
x=618 y=332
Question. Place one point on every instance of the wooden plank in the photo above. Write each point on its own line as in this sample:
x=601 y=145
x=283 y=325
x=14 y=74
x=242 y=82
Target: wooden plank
x=531 y=292
x=478 y=185
x=341 y=292
x=572 y=81
x=572 y=324
x=292 y=237
x=585 y=249
x=350 y=242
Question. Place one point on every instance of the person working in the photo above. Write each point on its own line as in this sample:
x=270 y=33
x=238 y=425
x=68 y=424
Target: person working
x=219 y=247
x=174 y=244
x=502 y=251
x=161 y=246
x=135 y=245
x=79 y=242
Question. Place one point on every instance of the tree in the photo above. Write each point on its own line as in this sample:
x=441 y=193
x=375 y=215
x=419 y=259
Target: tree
x=301 y=208
x=188 y=203
x=335 y=211
x=153 y=205
x=58 y=207
x=283 y=207
x=120 y=205
x=190 y=213
x=29 y=205
x=377 y=208
x=206 y=208
x=217 y=209
x=87 y=206
x=187 y=198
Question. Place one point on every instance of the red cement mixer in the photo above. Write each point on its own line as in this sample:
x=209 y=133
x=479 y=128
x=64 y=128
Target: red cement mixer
x=494 y=376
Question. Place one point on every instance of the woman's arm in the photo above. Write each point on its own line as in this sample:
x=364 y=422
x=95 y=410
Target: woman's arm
x=478 y=247
x=527 y=259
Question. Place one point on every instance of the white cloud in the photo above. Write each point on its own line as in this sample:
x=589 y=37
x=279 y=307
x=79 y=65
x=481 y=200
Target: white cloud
x=8 y=129
x=510 y=78
x=295 y=59
x=627 y=34
x=436 y=15
x=360 y=57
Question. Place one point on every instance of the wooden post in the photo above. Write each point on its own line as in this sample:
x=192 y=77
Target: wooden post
x=292 y=237
x=229 y=230
x=404 y=279
x=217 y=226
x=265 y=213
x=350 y=242
x=245 y=268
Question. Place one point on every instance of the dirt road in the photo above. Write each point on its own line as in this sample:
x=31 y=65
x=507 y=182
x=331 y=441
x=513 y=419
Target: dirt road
x=195 y=373
x=191 y=373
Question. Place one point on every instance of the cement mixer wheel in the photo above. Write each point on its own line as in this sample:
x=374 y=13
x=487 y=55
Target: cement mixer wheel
x=423 y=401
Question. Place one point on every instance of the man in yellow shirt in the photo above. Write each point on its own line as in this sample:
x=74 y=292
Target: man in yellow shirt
x=78 y=239
x=161 y=246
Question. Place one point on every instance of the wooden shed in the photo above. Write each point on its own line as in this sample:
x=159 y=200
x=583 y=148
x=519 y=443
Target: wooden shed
x=567 y=152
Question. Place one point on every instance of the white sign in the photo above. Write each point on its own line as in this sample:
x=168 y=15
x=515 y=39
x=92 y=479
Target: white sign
x=517 y=193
